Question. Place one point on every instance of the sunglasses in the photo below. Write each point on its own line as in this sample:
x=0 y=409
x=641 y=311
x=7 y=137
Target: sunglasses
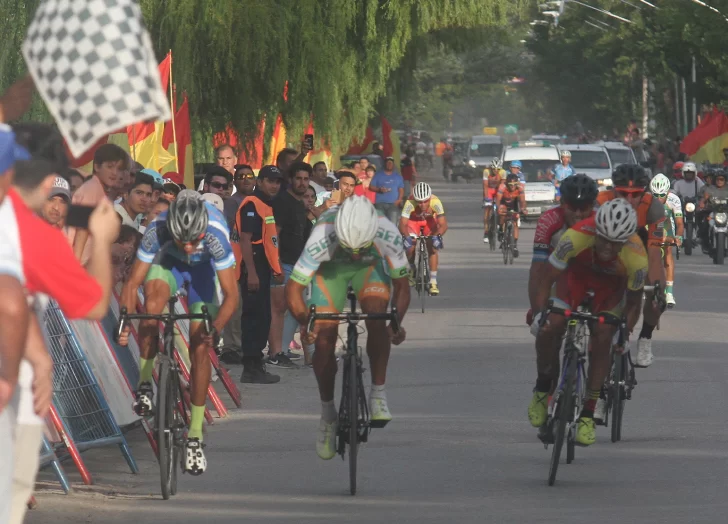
x=219 y=185
x=244 y=176
x=630 y=192
x=660 y=195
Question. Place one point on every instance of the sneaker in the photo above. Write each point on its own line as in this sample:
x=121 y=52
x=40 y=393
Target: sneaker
x=143 y=404
x=538 y=409
x=326 y=440
x=485 y=239
x=195 y=461
x=379 y=412
x=515 y=252
x=230 y=357
x=586 y=433
x=282 y=361
x=433 y=289
x=600 y=411
x=644 y=353
x=256 y=373
x=670 y=300
x=292 y=356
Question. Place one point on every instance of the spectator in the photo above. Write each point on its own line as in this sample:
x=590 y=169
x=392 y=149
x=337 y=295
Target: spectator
x=363 y=188
x=309 y=199
x=122 y=253
x=156 y=209
x=389 y=188
x=157 y=183
x=109 y=160
x=170 y=190
x=329 y=183
x=409 y=172
x=287 y=156
x=137 y=201
x=126 y=179
x=377 y=149
x=293 y=229
x=259 y=253
x=244 y=180
x=215 y=200
x=226 y=158
x=75 y=179
x=318 y=178
x=217 y=181
x=364 y=163
x=55 y=209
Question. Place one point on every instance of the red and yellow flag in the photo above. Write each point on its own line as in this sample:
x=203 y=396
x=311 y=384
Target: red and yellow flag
x=390 y=142
x=705 y=143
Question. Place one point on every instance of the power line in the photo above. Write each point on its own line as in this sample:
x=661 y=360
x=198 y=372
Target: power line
x=604 y=11
x=710 y=7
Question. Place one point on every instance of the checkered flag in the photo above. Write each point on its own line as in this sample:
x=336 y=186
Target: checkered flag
x=93 y=63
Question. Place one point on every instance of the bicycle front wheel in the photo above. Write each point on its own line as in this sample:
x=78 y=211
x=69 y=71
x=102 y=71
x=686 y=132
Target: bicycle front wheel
x=493 y=229
x=423 y=278
x=617 y=396
x=353 y=421
x=565 y=414
x=165 y=430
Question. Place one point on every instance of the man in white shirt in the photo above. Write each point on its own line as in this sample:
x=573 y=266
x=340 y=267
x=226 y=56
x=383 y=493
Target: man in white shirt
x=690 y=186
x=136 y=202
x=318 y=179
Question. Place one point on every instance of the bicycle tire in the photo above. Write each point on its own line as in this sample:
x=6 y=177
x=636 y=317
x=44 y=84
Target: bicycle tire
x=492 y=229
x=617 y=396
x=165 y=433
x=566 y=411
x=504 y=245
x=353 y=421
x=422 y=280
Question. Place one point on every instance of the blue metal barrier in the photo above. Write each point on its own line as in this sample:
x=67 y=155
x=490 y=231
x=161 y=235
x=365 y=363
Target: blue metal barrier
x=76 y=394
x=48 y=458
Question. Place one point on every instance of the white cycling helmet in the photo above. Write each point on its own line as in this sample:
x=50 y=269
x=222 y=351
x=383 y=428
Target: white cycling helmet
x=660 y=184
x=616 y=220
x=566 y=154
x=356 y=222
x=689 y=166
x=422 y=191
x=496 y=163
x=187 y=216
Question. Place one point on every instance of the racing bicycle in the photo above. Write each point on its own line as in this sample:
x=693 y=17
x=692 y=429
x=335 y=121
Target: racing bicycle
x=354 y=424
x=170 y=416
x=507 y=244
x=492 y=224
x=422 y=268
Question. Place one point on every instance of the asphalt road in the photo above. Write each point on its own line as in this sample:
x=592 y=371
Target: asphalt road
x=460 y=448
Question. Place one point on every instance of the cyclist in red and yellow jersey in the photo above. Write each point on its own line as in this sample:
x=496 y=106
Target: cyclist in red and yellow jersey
x=492 y=178
x=511 y=197
x=603 y=254
x=423 y=210
x=631 y=183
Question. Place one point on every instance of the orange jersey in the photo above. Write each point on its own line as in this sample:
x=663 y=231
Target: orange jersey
x=508 y=196
x=650 y=215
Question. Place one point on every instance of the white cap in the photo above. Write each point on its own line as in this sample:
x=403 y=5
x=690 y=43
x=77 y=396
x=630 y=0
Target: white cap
x=215 y=200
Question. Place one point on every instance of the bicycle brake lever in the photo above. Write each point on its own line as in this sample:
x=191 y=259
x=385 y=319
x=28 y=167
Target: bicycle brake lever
x=122 y=321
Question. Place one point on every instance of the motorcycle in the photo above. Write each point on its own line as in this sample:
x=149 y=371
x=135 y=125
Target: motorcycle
x=691 y=226
x=718 y=229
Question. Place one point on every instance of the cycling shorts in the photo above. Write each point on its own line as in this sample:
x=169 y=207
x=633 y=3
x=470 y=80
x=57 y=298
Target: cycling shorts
x=504 y=208
x=573 y=283
x=331 y=282
x=202 y=280
x=492 y=191
x=429 y=223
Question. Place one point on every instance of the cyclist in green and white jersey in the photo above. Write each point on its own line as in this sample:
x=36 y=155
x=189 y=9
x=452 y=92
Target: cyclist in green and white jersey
x=660 y=187
x=353 y=244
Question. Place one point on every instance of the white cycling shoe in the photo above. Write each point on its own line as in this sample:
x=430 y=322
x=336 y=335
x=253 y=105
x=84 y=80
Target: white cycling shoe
x=670 y=300
x=600 y=411
x=644 y=353
x=195 y=461
x=379 y=414
x=326 y=440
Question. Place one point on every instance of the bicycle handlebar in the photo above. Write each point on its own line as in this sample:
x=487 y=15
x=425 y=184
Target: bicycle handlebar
x=124 y=317
x=352 y=317
x=578 y=315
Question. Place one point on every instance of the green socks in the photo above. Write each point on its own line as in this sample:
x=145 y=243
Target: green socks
x=146 y=369
x=197 y=416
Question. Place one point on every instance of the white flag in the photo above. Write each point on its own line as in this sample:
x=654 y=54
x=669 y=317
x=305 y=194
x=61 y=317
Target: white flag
x=93 y=63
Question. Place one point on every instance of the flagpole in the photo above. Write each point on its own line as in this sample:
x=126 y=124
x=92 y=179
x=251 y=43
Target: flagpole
x=174 y=110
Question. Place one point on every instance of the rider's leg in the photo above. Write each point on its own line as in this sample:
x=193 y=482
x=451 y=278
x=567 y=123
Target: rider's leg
x=324 y=364
x=156 y=295
x=434 y=260
x=200 y=378
x=669 y=273
x=651 y=313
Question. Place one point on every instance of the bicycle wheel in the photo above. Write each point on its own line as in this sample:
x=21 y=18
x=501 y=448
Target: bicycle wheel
x=617 y=396
x=165 y=433
x=565 y=414
x=492 y=229
x=353 y=421
x=422 y=278
x=504 y=245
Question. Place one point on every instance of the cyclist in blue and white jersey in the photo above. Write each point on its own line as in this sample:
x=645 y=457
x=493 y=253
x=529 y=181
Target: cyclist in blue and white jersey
x=188 y=244
x=515 y=169
x=561 y=171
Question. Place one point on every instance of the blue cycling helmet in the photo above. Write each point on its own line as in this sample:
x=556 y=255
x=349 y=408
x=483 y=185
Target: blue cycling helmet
x=158 y=179
x=517 y=163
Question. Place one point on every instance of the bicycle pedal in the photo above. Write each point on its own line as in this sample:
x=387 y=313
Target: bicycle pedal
x=378 y=423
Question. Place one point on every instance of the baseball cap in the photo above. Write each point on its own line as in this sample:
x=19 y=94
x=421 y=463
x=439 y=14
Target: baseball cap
x=390 y=158
x=174 y=176
x=270 y=172
x=60 y=187
x=10 y=151
x=214 y=199
x=158 y=180
x=171 y=187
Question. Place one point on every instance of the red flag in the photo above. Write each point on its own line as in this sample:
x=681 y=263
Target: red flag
x=387 y=144
x=184 y=143
x=705 y=143
x=356 y=148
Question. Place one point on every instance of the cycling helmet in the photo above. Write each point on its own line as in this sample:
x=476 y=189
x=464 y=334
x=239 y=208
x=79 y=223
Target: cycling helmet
x=496 y=163
x=616 y=220
x=689 y=166
x=422 y=191
x=566 y=154
x=187 y=216
x=517 y=163
x=660 y=184
x=630 y=176
x=579 y=190
x=356 y=223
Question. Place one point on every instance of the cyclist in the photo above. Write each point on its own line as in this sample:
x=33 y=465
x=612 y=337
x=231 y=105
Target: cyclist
x=561 y=172
x=423 y=210
x=516 y=169
x=188 y=243
x=578 y=195
x=660 y=187
x=630 y=183
x=604 y=254
x=510 y=197
x=491 y=180
x=350 y=244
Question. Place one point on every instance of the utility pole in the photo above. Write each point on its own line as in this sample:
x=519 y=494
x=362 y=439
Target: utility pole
x=684 y=108
x=645 y=108
x=677 y=107
x=695 y=107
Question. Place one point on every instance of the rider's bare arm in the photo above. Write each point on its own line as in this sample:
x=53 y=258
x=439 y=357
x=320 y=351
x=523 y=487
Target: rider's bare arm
x=231 y=295
x=441 y=225
x=403 y=225
x=633 y=308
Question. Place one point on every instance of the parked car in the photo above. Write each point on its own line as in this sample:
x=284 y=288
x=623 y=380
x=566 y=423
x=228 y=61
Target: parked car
x=592 y=160
x=484 y=148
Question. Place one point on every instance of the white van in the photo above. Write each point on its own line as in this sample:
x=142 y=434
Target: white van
x=537 y=158
x=484 y=148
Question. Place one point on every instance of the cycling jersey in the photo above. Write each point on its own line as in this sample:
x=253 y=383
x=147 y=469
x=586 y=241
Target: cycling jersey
x=509 y=198
x=561 y=172
x=411 y=210
x=673 y=210
x=549 y=228
x=215 y=246
x=576 y=248
x=650 y=215
x=494 y=177
x=323 y=249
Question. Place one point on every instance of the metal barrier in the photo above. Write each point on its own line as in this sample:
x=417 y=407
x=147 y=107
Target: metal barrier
x=48 y=458
x=77 y=397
